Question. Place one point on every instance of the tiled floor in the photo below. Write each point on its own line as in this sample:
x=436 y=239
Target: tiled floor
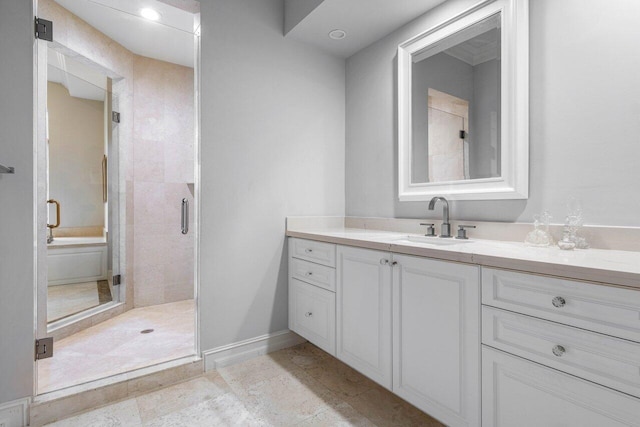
x=116 y=345
x=299 y=386
x=64 y=300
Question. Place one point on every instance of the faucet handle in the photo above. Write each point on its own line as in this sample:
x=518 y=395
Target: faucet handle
x=431 y=231
x=462 y=232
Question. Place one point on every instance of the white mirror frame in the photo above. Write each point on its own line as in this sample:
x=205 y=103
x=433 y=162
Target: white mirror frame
x=514 y=105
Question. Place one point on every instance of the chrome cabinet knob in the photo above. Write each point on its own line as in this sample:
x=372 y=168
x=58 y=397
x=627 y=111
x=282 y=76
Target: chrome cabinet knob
x=394 y=263
x=558 y=350
x=308 y=314
x=309 y=273
x=384 y=261
x=558 y=302
x=308 y=250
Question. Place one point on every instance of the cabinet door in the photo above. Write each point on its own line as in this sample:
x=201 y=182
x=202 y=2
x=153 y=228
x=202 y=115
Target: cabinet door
x=312 y=314
x=364 y=312
x=516 y=392
x=436 y=338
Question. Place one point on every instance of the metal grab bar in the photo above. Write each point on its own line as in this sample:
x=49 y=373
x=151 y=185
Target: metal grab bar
x=185 y=216
x=57 y=203
x=7 y=169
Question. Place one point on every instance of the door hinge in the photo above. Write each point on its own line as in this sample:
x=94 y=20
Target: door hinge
x=117 y=280
x=44 y=348
x=44 y=29
x=463 y=134
x=115 y=116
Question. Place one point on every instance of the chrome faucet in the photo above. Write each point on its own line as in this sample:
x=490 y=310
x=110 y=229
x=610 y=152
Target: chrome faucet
x=445 y=230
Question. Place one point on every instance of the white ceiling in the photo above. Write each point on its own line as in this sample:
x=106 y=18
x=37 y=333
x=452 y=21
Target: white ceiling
x=365 y=21
x=169 y=39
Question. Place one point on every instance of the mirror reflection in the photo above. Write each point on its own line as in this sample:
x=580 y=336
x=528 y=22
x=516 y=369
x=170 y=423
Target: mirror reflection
x=455 y=106
x=78 y=136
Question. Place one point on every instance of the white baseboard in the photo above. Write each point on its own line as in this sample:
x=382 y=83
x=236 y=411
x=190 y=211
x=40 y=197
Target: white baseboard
x=14 y=414
x=244 y=350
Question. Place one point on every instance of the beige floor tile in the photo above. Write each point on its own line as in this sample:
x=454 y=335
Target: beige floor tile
x=224 y=410
x=243 y=376
x=342 y=415
x=385 y=409
x=300 y=386
x=307 y=356
x=123 y=414
x=181 y=396
x=340 y=378
x=288 y=399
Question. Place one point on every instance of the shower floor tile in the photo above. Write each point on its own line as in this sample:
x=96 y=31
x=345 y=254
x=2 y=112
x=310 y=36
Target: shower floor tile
x=117 y=345
x=65 y=300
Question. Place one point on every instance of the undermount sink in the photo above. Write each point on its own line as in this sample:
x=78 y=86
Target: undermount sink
x=435 y=241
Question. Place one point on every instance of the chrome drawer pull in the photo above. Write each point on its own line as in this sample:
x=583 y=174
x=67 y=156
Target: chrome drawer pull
x=308 y=250
x=308 y=314
x=558 y=350
x=309 y=274
x=558 y=302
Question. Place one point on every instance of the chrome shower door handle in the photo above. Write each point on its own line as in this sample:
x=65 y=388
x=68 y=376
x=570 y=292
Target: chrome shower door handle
x=185 y=216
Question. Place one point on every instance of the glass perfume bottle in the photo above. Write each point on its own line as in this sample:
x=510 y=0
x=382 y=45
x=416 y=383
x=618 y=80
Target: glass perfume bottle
x=567 y=243
x=574 y=222
x=540 y=236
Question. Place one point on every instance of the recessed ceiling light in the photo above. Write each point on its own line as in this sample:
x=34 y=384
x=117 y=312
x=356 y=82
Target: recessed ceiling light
x=337 y=34
x=150 y=14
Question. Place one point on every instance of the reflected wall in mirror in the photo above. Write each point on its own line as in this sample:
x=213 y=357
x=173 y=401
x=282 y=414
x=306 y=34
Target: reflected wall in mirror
x=456 y=107
x=78 y=124
x=463 y=114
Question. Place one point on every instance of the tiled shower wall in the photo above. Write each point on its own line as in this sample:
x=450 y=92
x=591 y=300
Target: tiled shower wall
x=163 y=175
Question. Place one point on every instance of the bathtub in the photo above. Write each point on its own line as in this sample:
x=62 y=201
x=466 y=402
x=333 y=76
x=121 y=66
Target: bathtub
x=76 y=260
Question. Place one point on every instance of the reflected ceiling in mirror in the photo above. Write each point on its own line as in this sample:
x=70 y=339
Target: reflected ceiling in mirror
x=456 y=106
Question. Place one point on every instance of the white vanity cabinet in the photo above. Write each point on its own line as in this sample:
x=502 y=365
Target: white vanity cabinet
x=312 y=298
x=364 y=312
x=436 y=338
x=412 y=324
x=558 y=352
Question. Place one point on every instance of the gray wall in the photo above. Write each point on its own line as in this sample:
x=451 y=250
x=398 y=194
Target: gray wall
x=486 y=100
x=272 y=146
x=584 y=117
x=296 y=10
x=16 y=196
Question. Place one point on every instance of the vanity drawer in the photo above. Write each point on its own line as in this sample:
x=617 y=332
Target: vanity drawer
x=612 y=362
x=517 y=392
x=312 y=314
x=316 y=274
x=609 y=310
x=319 y=252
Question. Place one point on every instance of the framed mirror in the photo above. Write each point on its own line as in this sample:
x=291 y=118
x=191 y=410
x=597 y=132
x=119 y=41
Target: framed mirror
x=463 y=106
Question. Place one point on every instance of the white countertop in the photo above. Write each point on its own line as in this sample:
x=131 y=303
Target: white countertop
x=596 y=265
